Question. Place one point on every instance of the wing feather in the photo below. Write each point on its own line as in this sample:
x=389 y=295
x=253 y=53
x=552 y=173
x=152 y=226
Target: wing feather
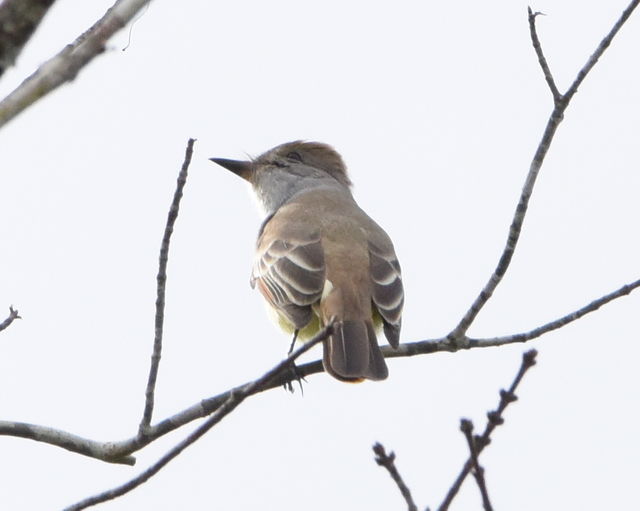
x=387 y=289
x=290 y=274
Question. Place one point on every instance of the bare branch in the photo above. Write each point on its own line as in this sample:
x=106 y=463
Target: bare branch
x=604 y=44
x=388 y=461
x=19 y=19
x=160 y=294
x=466 y=426
x=541 y=58
x=444 y=344
x=65 y=66
x=117 y=452
x=558 y=323
x=494 y=419
x=105 y=451
x=457 y=335
x=13 y=315
x=514 y=230
x=234 y=399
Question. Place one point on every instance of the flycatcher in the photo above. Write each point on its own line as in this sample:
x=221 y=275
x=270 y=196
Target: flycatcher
x=320 y=256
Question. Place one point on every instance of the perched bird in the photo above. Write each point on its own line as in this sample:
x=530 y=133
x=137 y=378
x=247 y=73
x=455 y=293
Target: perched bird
x=319 y=256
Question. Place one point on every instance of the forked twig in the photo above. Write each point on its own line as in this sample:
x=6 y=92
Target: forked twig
x=557 y=323
x=232 y=402
x=494 y=419
x=561 y=102
x=466 y=426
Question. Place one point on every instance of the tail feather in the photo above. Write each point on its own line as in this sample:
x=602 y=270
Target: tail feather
x=352 y=353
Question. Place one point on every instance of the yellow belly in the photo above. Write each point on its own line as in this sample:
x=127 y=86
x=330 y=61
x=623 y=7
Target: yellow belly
x=314 y=326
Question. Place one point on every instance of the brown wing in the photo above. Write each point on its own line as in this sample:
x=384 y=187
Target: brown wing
x=387 y=291
x=290 y=275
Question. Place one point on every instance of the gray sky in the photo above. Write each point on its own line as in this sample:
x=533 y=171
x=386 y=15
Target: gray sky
x=437 y=111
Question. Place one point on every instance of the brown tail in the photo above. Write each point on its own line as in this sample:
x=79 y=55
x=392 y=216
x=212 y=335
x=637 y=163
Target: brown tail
x=352 y=352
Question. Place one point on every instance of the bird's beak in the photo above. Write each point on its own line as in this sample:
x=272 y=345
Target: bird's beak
x=244 y=169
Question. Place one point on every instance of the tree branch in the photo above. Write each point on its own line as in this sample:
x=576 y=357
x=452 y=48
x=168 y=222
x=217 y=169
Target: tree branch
x=65 y=66
x=160 y=293
x=494 y=420
x=466 y=426
x=234 y=399
x=104 y=451
x=557 y=97
x=604 y=44
x=561 y=102
x=388 y=461
x=207 y=406
x=13 y=315
x=118 y=452
x=19 y=19
x=558 y=323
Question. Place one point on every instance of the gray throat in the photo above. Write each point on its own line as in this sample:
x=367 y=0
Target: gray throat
x=277 y=186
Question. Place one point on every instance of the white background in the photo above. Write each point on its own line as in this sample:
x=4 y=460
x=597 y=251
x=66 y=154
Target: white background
x=437 y=109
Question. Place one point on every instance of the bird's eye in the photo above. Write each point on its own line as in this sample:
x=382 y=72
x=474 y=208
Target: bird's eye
x=293 y=155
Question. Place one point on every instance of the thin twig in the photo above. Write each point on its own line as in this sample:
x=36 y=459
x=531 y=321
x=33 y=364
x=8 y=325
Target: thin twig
x=515 y=228
x=388 y=461
x=541 y=58
x=160 y=293
x=65 y=66
x=466 y=426
x=561 y=102
x=13 y=315
x=227 y=407
x=558 y=323
x=494 y=419
x=604 y=44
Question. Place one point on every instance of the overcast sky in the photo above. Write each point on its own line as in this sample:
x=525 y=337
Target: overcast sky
x=437 y=109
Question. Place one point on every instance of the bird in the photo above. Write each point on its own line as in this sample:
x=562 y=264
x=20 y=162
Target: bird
x=320 y=258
